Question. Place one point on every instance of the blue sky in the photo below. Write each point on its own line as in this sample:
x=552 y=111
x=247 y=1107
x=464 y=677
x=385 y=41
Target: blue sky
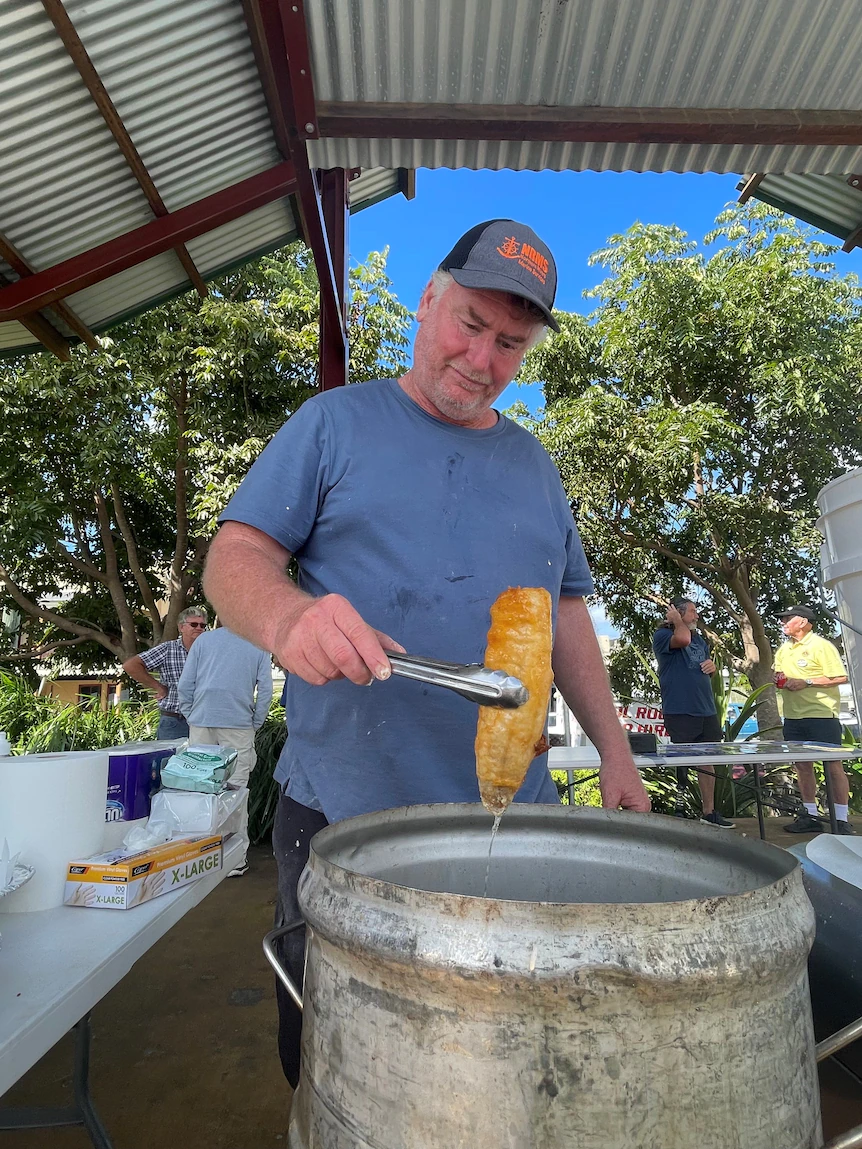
x=573 y=212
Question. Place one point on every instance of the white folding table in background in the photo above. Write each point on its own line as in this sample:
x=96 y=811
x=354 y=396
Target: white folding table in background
x=55 y=965
x=705 y=755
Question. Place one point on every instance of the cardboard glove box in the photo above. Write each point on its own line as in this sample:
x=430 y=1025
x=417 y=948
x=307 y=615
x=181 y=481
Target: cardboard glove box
x=120 y=880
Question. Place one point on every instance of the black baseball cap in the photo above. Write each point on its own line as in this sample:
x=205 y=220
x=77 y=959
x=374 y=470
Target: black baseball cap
x=503 y=255
x=799 y=612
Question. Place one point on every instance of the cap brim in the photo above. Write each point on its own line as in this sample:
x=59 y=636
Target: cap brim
x=487 y=281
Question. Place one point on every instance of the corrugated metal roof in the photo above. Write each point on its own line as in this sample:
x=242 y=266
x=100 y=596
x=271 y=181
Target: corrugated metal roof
x=827 y=202
x=777 y=54
x=183 y=78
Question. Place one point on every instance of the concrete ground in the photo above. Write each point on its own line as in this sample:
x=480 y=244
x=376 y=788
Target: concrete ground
x=184 y=1047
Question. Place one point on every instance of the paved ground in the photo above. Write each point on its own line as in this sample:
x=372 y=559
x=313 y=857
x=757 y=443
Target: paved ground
x=184 y=1048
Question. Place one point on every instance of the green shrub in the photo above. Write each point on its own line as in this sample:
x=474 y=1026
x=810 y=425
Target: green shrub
x=39 y=724
x=263 y=790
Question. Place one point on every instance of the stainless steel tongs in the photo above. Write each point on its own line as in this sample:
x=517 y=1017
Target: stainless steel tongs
x=471 y=680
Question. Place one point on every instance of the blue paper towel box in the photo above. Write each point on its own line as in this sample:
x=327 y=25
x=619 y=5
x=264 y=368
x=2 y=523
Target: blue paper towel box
x=133 y=778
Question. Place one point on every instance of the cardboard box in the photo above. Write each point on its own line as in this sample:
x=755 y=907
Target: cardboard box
x=120 y=880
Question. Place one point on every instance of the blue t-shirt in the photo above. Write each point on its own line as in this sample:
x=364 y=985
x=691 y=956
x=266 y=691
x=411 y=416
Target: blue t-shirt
x=685 y=689
x=420 y=525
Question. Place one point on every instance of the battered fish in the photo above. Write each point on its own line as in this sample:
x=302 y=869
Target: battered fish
x=519 y=642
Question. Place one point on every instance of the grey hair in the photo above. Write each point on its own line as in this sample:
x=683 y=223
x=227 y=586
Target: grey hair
x=441 y=281
x=192 y=612
x=681 y=603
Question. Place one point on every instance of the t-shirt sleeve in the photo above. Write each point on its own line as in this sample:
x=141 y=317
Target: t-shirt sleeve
x=282 y=492
x=830 y=659
x=661 y=640
x=577 y=580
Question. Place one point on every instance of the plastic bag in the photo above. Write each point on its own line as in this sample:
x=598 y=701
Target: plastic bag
x=205 y=769
x=146 y=837
x=195 y=813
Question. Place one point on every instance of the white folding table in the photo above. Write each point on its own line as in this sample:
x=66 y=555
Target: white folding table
x=703 y=755
x=55 y=965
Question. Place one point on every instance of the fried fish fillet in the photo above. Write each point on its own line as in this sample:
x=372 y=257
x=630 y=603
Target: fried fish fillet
x=519 y=642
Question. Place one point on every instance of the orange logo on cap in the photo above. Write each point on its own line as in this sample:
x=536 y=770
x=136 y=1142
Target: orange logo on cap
x=527 y=257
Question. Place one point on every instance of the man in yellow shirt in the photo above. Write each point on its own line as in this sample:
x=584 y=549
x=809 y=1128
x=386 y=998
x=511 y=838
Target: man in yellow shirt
x=809 y=671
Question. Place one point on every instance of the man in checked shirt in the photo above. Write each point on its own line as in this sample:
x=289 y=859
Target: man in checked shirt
x=168 y=660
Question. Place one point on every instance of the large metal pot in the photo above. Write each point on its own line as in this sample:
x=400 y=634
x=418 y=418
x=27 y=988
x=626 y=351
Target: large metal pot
x=630 y=982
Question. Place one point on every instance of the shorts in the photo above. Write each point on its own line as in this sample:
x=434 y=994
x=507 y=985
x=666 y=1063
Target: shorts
x=693 y=727
x=823 y=731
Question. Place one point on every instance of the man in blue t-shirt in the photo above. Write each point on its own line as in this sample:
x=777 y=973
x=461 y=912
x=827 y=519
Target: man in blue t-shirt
x=688 y=704
x=409 y=505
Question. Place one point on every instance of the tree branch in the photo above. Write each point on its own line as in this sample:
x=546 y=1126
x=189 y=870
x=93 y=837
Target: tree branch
x=177 y=589
x=81 y=538
x=662 y=550
x=114 y=583
x=86 y=568
x=41 y=651
x=86 y=633
x=134 y=562
x=686 y=565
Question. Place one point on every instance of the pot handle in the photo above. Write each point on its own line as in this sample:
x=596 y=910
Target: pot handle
x=839 y=1040
x=272 y=957
x=852 y=1139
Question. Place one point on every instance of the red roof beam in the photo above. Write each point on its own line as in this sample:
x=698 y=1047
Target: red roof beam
x=299 y=67
x=747 y=126
x=282 y=25
x=143 y=243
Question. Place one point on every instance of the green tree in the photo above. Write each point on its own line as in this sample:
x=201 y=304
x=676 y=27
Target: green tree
x=695 y=414
x=115 y=466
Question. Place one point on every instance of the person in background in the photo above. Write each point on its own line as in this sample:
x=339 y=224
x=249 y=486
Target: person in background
x=808 y=671
x=688 y=704
x=410 y=505
x=224 y=693
x=168 y=660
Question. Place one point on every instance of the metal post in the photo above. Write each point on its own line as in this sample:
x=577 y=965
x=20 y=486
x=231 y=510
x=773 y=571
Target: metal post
x=335 y=211
x=81 y=1113
x=830 y=798
x=758 y=798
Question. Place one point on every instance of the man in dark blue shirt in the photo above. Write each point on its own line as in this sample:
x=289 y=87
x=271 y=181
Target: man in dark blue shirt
x=684 y=673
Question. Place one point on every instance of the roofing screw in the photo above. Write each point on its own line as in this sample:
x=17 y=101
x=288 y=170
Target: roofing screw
x=309 y=127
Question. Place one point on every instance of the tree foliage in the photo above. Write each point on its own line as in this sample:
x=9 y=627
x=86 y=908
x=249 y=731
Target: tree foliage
x=115 y=466
x=695 y=414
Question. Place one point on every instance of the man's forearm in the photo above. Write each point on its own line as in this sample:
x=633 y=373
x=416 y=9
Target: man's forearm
x=246 y=581
x=135 y=669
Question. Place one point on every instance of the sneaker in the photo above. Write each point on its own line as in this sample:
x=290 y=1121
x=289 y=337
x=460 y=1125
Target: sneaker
x=806 y=823
x=845 y=828
x=238 y=871
x=715 y=819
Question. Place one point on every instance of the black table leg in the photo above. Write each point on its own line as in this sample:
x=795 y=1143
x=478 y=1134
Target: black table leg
x=81 y=1113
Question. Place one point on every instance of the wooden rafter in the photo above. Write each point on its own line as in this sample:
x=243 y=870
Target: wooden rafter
x=142 y=243
x=746 y=126
x=81 y=59
x=45 y=332
x=750 y=186
x=23 y=269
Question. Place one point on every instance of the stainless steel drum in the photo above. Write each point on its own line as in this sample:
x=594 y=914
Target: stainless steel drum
x=630 y=982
